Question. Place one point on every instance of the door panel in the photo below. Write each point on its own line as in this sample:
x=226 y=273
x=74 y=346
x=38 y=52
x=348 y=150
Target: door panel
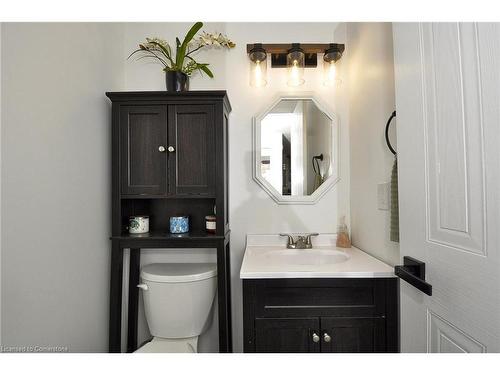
x=353 y=335
x=447 y=95
x=277 y=335
x=192 y=164
x=143 y=167
x=455 y=174
x=444 y=337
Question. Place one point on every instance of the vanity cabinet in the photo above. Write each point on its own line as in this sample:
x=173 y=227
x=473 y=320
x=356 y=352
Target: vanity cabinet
x=352 y=335
x=282 y=335
x=319 y=335
x=338 y=315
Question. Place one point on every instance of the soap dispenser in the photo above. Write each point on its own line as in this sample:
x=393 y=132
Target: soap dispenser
x=343 y=239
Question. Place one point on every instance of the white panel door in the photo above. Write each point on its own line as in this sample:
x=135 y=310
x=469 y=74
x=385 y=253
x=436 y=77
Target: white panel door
x=448 y=112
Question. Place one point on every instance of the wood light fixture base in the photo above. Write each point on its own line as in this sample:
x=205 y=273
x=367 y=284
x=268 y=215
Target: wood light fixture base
x=278 y=52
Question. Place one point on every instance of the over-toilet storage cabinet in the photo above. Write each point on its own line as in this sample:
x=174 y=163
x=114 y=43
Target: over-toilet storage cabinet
x=169 y=157
x=337 y=315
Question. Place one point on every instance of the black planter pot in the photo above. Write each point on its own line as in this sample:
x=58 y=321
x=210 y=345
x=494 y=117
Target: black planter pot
x=177 y=81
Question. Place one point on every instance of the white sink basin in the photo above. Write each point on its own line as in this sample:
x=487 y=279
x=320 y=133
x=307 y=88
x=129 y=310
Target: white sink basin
x=306 y=257
x=266 y=257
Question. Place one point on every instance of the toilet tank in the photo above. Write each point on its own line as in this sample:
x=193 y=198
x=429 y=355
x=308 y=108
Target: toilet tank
x=178 y=297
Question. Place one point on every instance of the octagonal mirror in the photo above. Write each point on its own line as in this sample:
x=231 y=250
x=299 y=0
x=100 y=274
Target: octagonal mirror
x=296 y=150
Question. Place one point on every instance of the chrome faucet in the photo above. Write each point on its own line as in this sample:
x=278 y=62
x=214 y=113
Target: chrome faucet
x=302 y=242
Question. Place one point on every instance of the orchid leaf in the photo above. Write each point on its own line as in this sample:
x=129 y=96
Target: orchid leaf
x=166 y=51
x=181 y=53
x=207 y=71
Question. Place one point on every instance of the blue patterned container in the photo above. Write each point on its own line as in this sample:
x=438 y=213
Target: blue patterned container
x=179 y=224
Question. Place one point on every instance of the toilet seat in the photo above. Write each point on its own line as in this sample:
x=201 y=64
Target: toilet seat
x=160 y=345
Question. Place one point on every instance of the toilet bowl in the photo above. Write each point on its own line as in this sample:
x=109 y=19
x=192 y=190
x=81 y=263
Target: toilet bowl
x=178 y=298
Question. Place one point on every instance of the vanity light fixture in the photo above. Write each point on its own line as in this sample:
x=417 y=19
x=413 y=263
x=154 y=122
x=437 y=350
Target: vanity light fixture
x=295 y=62
x=332 y=54
x=258 y=68
x=295 y=57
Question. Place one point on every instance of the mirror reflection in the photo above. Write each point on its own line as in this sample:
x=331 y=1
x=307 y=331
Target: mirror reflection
x=296 y=147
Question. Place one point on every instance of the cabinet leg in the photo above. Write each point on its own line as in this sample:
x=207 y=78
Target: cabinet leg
x=224 y=297
x=133 y=299
x=228 y=300
x=115 y=298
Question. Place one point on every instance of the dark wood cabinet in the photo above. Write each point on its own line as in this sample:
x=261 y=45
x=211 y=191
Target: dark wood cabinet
x=169 y=157
x=353 y=335
x=168 y=150
x=321 y=315
x=143 y=134
x=281 y=335
x=319 y=335
x=191 y=130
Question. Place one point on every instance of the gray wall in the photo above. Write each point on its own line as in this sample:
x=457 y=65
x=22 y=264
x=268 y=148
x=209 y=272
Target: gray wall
x=370 y=83
x=55 y=175
x=251 y=209
x=56 y=182
x=0 y=184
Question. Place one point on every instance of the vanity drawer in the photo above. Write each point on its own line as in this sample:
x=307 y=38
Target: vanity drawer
x=319 y=297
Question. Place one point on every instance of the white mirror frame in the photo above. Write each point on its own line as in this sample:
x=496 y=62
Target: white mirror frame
x=326 y=185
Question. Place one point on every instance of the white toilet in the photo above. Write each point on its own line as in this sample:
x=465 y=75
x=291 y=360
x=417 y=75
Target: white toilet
x=178 y=298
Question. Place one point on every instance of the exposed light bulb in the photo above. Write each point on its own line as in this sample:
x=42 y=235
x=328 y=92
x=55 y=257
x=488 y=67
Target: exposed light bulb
x=331 y=77
x=259 y=81
x=295 y=76
x=258 y=66
x=258 y=74
x=332 y=54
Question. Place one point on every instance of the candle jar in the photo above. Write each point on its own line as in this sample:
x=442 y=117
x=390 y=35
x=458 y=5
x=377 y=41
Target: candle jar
x=179 y=224
x=210 y=223
x=138 y=224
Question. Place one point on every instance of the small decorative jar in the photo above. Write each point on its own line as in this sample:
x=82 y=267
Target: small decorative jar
x=179 y=224
x=210 y=223
x=138 y=224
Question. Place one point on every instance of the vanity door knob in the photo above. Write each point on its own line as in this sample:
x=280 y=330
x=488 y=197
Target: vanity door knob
x=327 y=337
x=161 y=148
x=171 y=149
x=315 y=337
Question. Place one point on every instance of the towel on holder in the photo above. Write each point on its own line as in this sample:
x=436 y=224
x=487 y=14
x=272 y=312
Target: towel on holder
x=318 y=180
x=394 y=202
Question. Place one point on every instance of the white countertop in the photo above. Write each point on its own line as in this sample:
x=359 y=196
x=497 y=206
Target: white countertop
x=258 y=264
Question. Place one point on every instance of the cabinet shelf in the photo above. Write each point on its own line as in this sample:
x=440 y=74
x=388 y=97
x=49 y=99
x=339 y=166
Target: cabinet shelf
x=165 y=235
x=146 y=196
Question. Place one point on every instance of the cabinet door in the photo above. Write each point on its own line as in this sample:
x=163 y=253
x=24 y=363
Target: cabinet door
x=277 y=335
x=143 y=133
x=192 y=153
x=352 y=335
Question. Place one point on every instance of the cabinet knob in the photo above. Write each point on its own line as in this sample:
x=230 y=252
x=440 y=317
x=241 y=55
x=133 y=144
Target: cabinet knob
x=327 y=337
x=315 y=337
x=171 y=149
x=161 y=148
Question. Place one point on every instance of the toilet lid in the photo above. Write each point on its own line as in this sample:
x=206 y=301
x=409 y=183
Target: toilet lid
x=178 y=272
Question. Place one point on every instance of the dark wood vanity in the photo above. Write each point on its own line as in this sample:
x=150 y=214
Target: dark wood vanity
x=169 y=157
x=337 y=315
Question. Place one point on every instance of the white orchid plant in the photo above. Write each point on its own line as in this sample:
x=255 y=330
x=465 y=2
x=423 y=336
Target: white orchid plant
x=183 y=61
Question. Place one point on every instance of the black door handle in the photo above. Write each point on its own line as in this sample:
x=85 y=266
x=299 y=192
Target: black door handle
x=413 y=272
